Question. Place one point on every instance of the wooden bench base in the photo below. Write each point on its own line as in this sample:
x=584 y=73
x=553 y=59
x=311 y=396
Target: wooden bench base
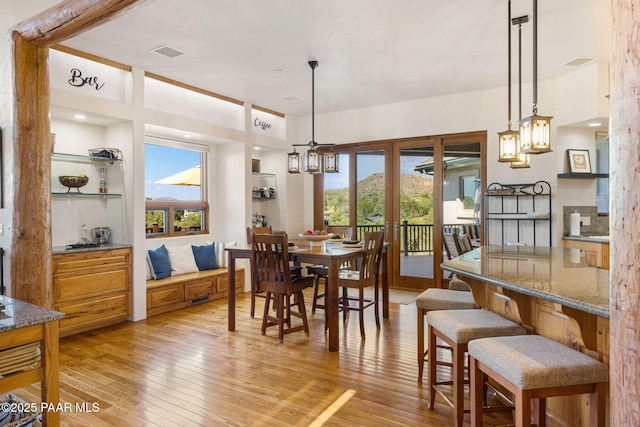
x=185 y=290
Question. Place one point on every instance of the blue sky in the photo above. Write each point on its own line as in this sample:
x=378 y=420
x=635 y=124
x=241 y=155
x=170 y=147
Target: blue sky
x=160 y=162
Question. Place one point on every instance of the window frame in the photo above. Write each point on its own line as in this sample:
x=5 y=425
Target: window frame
x=170 y=206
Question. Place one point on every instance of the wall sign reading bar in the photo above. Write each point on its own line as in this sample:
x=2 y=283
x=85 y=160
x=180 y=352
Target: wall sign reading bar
x=78 y=80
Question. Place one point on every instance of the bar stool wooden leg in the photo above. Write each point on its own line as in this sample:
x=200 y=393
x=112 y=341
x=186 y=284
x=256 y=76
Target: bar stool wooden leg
x=477 y=390
x=421 y=351
x=523 y=408
x=458 y=382
x=431 y=366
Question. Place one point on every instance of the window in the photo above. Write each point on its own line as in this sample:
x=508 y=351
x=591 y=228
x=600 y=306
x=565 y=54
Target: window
x=175 y=189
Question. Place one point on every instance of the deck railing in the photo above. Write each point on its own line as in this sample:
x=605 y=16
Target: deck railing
x=414 y=238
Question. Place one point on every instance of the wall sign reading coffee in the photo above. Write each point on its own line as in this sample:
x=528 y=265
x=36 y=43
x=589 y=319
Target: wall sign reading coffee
x=78 y=80
x=261 y=124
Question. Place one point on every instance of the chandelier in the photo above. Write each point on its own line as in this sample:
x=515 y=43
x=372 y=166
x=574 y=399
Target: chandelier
x=312 y=161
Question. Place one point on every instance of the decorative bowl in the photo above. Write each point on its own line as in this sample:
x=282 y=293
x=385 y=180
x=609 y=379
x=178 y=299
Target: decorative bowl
x=315 y=239
x=76 y=182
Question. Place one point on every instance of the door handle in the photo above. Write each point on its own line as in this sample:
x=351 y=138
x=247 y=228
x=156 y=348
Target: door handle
x=395 y=230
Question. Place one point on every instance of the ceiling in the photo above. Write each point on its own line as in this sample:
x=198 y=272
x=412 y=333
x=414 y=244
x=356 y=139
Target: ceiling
x=369 y=52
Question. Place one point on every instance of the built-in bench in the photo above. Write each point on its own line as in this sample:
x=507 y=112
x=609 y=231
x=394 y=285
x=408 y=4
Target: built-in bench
x=184 y=290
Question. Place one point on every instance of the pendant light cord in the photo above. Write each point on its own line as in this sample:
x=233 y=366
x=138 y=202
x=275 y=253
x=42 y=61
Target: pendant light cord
x=509 y=64
x=313 y=65
x=535 y=57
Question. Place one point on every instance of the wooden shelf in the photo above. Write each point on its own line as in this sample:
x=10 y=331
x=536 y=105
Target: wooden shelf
x=583 y=175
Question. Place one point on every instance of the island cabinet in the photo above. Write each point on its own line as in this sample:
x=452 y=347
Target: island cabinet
x=596 y=250
x=92 y=288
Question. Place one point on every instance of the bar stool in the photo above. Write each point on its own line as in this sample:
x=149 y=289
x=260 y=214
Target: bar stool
x=454 y=298
x=457 y=328
x=533 y=367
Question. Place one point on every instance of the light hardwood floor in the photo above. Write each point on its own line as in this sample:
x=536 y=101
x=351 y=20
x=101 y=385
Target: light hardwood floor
x=185 y=369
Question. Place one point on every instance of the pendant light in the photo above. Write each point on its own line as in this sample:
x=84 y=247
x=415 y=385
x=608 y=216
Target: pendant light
x=311 y=160
x=535 y=130
x=522 y=160
x=508 y=141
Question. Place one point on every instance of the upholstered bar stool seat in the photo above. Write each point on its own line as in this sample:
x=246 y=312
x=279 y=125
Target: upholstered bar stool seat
x=440 y=299
x=457 y=328
x=535 y=367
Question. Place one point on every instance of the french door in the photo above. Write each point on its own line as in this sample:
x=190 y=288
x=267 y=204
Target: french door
x=410 y=188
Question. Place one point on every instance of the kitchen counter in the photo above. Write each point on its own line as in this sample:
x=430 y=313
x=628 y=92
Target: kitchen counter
x=24 y=326
x=107 y=246
x=550 y=274
x=17 y=314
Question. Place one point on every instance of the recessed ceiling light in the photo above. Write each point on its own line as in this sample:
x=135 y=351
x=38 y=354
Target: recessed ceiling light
x=79 y=116
x=595 y=124
x=186 y=136
x=256 y=148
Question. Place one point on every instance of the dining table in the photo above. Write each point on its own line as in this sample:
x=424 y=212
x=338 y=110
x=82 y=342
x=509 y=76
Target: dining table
x=333 y=255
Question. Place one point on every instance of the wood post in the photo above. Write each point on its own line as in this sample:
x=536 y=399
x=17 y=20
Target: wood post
x=31 y=238
x=624 y=218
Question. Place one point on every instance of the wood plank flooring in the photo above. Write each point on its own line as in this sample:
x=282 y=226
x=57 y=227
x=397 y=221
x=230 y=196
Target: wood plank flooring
x=185 y=369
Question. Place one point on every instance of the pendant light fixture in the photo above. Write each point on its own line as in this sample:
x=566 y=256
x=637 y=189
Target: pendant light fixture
x=508 y=141
x=522 y=160
x=535 y=130
x=312 y=159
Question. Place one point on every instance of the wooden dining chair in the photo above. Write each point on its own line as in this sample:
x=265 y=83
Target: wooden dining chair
x=270 y=267
x=366 y=276
x=322 y=271
x=296 y=270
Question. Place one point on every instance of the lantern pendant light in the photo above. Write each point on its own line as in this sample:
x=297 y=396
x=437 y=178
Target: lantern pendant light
x=535 y=130
x=508 y=142
x=312 y=159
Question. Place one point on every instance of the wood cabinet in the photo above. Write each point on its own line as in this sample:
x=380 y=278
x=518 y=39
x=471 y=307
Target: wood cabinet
x=184 y=290
x=597 y=253
x=92 y=288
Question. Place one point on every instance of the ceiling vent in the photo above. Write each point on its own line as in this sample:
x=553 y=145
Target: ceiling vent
x=166 y=51
x=290 y=98
x=579 y=62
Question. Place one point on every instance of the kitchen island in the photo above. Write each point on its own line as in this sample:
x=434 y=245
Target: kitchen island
x=540 y=280
x=23 y=325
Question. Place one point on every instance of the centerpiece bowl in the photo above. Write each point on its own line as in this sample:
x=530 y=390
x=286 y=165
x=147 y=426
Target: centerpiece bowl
x=315 y=239
x=76 y=182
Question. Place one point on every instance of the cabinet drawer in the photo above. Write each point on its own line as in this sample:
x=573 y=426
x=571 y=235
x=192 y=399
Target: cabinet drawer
x=103 y=310
x=164 y=296
x=71 y=287
x=198 y=289
x=67 y=263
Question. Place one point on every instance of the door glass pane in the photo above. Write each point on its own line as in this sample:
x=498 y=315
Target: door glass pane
x=336 y=194
x=370 y=192
x=461 y=185
x=416 y=212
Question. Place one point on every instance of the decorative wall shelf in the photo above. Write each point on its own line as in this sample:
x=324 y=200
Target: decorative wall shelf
x=583 y=175
x=87 y=195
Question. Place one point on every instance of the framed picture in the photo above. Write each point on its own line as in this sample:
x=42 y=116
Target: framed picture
x=579 y=161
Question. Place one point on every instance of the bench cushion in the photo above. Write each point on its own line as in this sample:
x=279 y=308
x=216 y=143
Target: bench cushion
x=462 y=326
x=533 y=361
x=445 y=299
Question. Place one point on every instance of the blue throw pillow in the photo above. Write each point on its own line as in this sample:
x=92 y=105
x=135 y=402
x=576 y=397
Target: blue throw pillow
x=160 y=261
x=205 y=257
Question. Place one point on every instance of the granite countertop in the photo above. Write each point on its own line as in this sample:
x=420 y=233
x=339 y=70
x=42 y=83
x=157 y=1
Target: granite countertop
x=107 y=246
x=18 y=314
x=592 y=239
x=554 y=274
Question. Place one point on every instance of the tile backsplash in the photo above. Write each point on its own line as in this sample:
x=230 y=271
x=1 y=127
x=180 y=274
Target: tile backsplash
x=599 y=225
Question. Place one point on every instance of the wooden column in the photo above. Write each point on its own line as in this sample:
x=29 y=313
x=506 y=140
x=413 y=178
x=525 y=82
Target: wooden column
x=624 y=218
x=31 y=235
x=30 y=262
